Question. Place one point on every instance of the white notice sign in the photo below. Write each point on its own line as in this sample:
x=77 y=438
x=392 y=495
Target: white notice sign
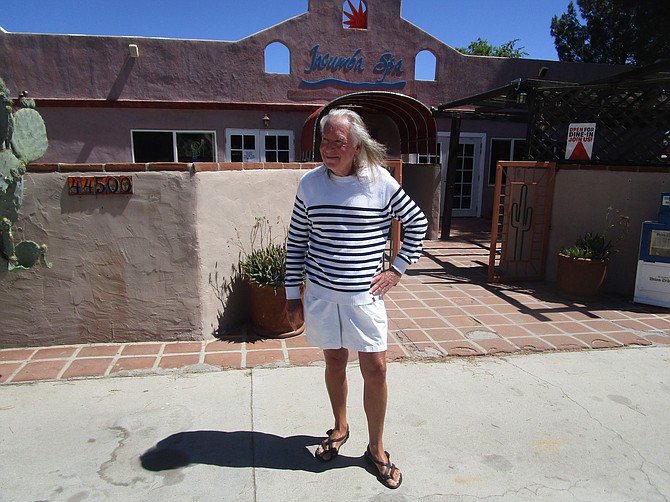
x=580 y=141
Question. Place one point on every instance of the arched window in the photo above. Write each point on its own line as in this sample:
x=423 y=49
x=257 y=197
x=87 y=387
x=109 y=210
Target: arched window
x=425 y=66
x=355 y=17
x=277 y=58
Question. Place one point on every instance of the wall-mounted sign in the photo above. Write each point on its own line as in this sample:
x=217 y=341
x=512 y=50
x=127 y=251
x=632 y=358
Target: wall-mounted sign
x=99 y=185
x=580 y=141
x=386 y=66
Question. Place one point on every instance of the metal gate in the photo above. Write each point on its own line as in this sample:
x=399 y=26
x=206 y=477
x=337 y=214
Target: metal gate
x=521 y=218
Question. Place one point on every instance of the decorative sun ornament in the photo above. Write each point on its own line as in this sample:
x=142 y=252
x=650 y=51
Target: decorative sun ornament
x=355 y=18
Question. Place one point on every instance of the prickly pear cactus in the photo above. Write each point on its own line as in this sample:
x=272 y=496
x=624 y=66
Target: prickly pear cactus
x=23 y=139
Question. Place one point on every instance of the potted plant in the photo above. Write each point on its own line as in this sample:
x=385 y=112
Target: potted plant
x=582 y=267
x=264 y=269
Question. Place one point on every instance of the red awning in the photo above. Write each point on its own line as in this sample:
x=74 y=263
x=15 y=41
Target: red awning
x=415 y=122
x=308 y=134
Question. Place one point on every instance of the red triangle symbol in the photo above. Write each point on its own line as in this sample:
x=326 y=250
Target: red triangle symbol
x=579 y=153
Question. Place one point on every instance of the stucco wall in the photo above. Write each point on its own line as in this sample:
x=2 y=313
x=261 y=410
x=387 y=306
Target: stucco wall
x=155 y=265
x=124 y=267
x=227 y=205
x=104 y=135
x=143 y=266
x=99 y=67
x=581 y=199
x=422 y=183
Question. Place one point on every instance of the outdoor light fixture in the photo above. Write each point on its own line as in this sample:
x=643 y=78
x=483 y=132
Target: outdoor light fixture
x=266 y=120
x=543 y=71
x=521 y=98
x=133 y=51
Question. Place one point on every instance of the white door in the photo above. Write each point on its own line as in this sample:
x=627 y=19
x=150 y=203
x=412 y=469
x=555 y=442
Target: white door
x=242 y=146
x=469 y=175
x=259 y=145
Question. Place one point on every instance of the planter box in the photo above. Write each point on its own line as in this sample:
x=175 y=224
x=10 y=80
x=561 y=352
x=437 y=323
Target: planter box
x=580 y=277
x=268 y=313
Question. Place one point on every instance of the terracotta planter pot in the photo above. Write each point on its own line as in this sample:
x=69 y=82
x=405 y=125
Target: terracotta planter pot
x=268 y=313
x=580 y=277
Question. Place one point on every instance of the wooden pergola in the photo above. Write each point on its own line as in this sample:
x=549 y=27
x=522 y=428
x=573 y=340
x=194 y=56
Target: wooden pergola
x=631 y=110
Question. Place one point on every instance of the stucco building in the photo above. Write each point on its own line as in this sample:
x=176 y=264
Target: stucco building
x=131 y=99
x=213 y=139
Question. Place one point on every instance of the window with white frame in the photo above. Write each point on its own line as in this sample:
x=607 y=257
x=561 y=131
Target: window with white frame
x=173 y=146
x=504 y=149
x=426 y=158
x=258 y=145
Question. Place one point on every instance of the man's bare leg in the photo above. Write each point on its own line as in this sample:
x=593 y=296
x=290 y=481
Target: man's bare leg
x=337 y=387
x=375 y=392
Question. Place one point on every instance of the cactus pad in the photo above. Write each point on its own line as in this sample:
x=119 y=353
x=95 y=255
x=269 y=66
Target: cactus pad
x=27 y=253
x=3 y=88
x=30 y=135
x=10 y=168
x=6 y=239
x=11 y=200
x=23 y=139
x=6 y=121
x=6 y=246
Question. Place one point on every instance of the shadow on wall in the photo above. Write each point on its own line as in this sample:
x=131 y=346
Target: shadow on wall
x=121 y=79
x=115 y=93
x=234 y=313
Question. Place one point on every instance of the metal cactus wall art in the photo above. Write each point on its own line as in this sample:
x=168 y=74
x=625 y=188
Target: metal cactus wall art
x=23 y=139
x=521 y=221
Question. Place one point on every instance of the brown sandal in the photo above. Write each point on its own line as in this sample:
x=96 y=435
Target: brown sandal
x=327 y=446
x=389 y=469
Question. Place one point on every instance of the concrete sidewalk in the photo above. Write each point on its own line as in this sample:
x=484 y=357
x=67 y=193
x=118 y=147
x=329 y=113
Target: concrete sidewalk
x=585 y=426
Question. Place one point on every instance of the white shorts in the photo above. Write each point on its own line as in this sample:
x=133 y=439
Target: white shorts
x=362 y=328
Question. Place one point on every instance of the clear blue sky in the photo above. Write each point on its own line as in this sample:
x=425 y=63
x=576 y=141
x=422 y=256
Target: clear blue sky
x=456 y=23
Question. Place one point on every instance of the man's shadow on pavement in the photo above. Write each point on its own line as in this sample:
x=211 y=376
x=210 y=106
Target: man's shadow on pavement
x=241 y=449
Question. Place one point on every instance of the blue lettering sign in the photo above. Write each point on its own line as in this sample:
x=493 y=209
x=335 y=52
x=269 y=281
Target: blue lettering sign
x=388 y=64
x=335 y=63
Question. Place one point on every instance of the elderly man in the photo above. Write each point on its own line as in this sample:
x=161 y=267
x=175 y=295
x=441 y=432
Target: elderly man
x=337 y=237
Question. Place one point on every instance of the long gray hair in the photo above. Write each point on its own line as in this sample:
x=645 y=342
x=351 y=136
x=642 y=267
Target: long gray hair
x=371 y=152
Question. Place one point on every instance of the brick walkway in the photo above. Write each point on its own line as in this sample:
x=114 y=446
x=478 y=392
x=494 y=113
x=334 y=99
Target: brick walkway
x=442 y=307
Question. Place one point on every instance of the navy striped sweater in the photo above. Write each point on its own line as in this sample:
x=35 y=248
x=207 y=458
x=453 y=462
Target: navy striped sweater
x=338 y=233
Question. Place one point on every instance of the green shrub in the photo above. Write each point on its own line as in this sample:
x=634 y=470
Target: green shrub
x=591 y=245
x=265 y=264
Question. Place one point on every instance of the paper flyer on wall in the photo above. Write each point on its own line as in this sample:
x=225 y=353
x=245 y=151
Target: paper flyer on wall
x=580 y=141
